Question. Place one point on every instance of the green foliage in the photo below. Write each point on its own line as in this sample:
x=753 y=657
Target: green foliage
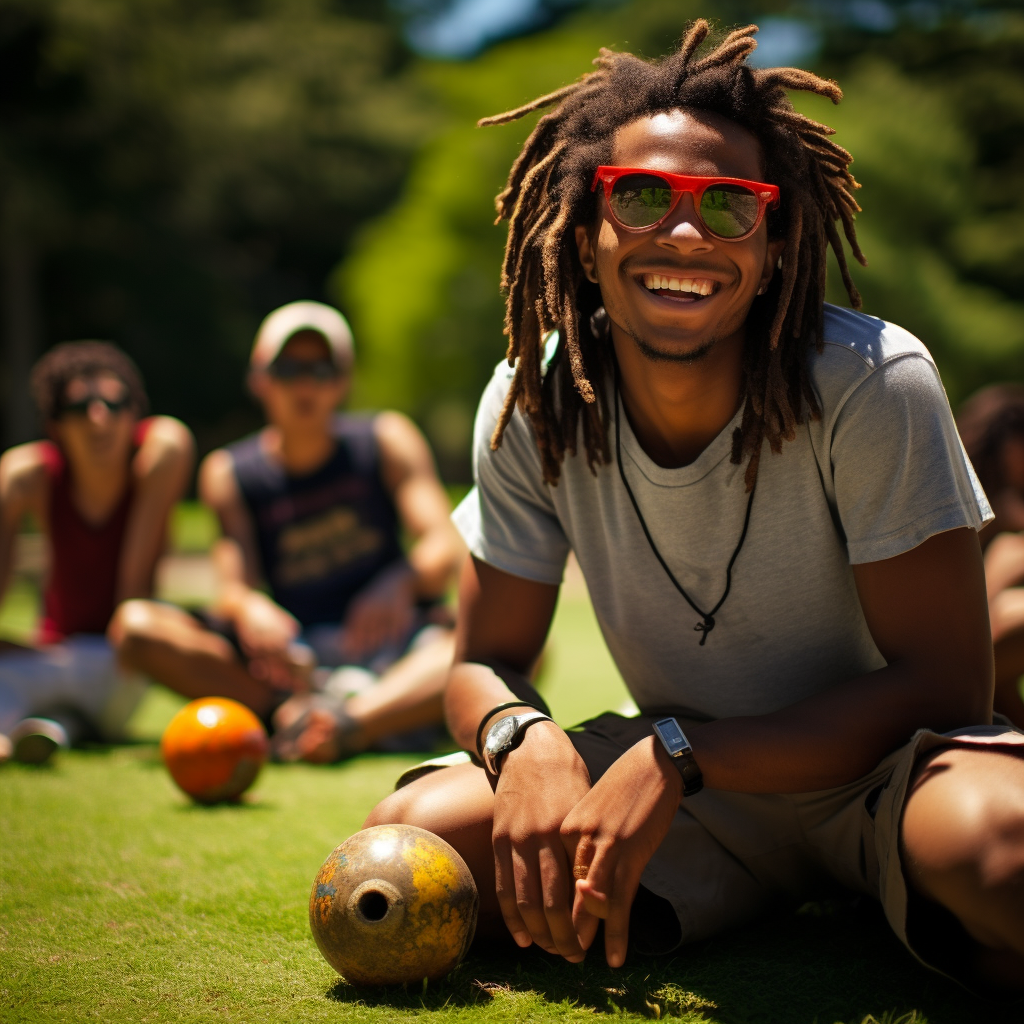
x=933 y=116
x=174 y=170
x=935 y=121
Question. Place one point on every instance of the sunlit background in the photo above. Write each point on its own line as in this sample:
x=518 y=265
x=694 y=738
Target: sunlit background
x=170 y=172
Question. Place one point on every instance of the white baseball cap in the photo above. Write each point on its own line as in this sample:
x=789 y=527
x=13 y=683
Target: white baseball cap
x=287 y=321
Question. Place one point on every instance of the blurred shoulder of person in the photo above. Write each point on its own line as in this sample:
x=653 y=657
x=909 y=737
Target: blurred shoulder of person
x=991 y=425
x=99 y=488
x=336 y=556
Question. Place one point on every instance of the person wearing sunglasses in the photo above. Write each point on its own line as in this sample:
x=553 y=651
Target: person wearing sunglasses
x=778 y=527
x=100 y=489
x=324 y=624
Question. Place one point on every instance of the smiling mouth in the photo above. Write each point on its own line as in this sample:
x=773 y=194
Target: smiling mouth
x=682 y=289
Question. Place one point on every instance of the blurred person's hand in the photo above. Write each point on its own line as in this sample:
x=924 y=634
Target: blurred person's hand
x=382 y=612
x=266 y=633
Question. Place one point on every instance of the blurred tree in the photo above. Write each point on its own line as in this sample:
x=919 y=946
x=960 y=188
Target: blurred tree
x=934 y=112
x=934 y=115
x=171 y=170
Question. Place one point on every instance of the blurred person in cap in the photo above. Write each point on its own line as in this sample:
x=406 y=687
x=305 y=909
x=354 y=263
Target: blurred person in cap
x=100 y=489
x=349 y=643
x=991 y=424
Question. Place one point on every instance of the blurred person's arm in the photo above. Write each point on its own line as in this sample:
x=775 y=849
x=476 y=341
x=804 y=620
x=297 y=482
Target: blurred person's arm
x=264 y=628
x=23 y=488
x=409 y=473
x=161 y=470
x=383 y=611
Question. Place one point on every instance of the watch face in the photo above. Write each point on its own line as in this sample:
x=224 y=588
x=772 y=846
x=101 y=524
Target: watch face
x=671 y=735
x=501 y=734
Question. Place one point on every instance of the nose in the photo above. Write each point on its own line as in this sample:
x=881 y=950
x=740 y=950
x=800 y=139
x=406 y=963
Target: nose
x=683 y=230
x=98 y=412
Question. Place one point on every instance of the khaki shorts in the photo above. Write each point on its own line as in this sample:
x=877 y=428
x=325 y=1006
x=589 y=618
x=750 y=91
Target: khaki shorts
x=730 y=856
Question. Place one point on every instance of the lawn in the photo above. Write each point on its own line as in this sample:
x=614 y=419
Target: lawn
x=121 y=901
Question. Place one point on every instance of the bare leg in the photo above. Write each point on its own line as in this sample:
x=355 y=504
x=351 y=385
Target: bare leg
x=962 y=846
x=407 y=697
x=456 y=804
x=1006 y=611
x=168 y=645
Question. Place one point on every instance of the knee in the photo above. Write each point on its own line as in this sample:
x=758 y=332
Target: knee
x=130 y=627
x=966 y=831
x=398 y=808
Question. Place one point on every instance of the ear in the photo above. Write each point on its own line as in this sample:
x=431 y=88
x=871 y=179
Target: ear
x=585 y=248
x=257 y=382
x=776 y=247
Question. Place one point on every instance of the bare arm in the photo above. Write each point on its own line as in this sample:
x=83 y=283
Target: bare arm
x=927 y=614
x=504 y=620
x=160 y=470
x=264 y=628
x=383 y=611
x=926 y=610
x=408 y=470
x=23 y=490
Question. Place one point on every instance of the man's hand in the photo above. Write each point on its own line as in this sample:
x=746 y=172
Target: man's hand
x=382 y=612
x=611 y=834
x=265 y=632
x=540 y=782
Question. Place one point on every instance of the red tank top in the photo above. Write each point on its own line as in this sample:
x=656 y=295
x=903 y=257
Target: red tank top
x=84 y=559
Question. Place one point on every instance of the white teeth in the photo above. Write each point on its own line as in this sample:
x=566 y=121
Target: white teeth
x=695 y=286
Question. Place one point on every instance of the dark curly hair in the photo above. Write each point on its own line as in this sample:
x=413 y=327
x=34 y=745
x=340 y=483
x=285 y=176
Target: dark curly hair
x=71 y=359
x=986 y=421
x=548 y=194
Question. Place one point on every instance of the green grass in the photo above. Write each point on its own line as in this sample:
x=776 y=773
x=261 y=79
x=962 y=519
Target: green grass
x=121 y=901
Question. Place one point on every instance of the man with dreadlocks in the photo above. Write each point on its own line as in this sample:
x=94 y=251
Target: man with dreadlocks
x=804 y=630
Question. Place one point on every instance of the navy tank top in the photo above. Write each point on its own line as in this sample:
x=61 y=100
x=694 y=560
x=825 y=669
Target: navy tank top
x=321 y=536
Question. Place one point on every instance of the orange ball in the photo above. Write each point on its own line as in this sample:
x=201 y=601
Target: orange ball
x=214 y=748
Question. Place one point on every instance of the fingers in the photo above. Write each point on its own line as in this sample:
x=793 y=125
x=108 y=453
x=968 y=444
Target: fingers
x=533 y=889
x=584 y=920
x=607 y=893
x=556 y=902
x=505 y=889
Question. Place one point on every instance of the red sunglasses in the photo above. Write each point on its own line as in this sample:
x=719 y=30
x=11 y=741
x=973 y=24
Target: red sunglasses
x=729 y=208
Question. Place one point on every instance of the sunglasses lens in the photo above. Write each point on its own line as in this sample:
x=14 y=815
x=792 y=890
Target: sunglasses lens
x=640 y=200
x=729 y=211
x=285 y=369
x=81 y=407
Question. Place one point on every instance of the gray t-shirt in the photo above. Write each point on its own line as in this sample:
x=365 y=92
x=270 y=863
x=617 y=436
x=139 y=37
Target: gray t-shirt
x=880 y=472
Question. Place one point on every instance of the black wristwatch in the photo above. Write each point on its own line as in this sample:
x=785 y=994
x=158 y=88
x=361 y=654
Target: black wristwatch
x=506 y=734
x=674 y=740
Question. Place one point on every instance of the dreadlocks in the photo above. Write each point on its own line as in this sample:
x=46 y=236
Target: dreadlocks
x=548 y=194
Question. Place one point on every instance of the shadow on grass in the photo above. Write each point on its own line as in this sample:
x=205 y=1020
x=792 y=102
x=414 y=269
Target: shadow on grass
x=831 y=962
x=243 y=805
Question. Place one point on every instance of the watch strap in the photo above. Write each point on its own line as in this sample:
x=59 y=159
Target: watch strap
x=490 y=714
x=522 y=722
x=693 y=777
x=681 y=757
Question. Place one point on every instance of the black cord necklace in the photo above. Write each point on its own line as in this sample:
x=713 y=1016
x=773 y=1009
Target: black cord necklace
x=708 y=618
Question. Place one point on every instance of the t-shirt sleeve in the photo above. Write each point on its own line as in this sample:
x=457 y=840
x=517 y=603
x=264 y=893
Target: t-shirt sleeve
x=900 y=471
x=508 y=519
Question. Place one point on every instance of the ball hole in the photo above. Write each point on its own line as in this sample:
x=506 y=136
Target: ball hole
x=373 y=905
